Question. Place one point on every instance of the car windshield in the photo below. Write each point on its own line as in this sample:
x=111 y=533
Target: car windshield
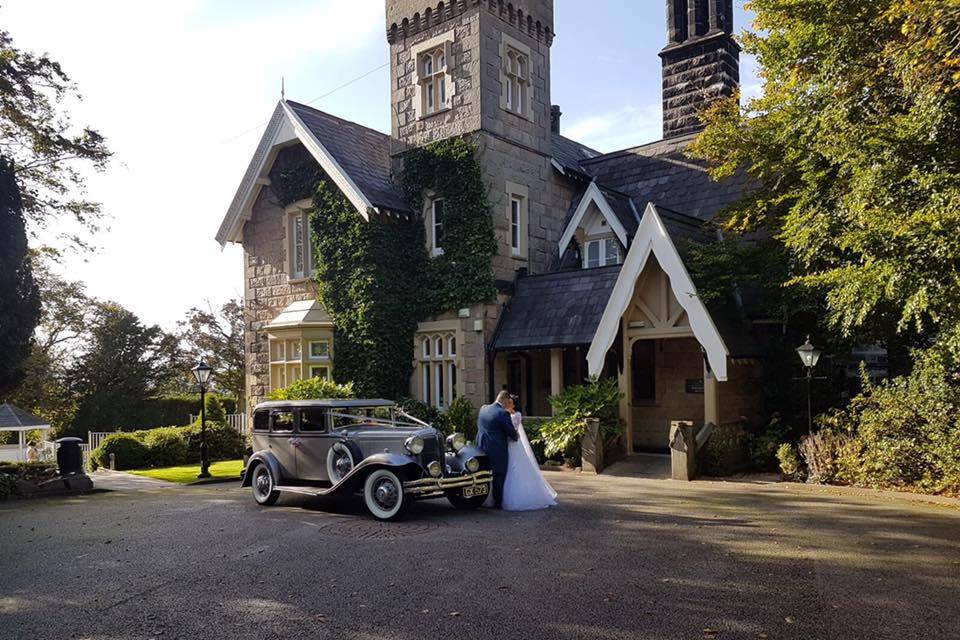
x=351 y=416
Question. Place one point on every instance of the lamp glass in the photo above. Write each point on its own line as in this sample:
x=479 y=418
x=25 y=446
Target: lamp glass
x=202 y=372
x=809 y=354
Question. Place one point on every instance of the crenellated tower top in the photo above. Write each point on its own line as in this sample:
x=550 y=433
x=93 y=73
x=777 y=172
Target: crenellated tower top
x=406 y=18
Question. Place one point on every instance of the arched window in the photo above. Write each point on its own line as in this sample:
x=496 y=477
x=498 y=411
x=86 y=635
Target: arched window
x=437 y=369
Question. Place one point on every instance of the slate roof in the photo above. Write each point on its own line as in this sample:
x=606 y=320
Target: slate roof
x=555 y=309
x=660 y=172
x=363 y=153
x=570 y=153
x=15 y=419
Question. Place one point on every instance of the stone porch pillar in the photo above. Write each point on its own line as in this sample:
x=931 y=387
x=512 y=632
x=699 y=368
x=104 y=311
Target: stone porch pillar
x=556 y=371
x=711 y=397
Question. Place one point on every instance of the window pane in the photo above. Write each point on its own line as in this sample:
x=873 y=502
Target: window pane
x=320 y=349
x=453 y=380
x=320 y=372
x=453 y=347
x=307 y=245
x=430 y=97
x=426 y=383
x=441 y=396
x=443 y=90
x=282 y=421
x=297 y=248
x=593 y=254
x=515 y=224
x=261 y=421
x=313 y=420
x=428 y=66
x=426 y=347
x=438 y=213
x=439 y=343
x=611 y=252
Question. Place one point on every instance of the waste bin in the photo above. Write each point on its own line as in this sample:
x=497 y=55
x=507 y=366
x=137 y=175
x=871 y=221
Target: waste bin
x=69 y=456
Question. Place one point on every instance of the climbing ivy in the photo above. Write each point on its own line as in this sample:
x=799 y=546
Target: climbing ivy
x=462 y=275
x=375 y=278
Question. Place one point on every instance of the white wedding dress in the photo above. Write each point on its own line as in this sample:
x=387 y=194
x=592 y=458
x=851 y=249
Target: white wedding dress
x=525 y=488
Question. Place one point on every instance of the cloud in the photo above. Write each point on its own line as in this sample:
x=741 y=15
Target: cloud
x=617 y=129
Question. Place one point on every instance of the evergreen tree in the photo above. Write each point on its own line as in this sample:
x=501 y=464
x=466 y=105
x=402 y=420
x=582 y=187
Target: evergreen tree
x=19 y=296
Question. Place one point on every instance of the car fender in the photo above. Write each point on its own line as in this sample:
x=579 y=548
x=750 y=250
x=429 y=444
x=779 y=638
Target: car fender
x=264 y=457
x=457 y=460
x=354 y=480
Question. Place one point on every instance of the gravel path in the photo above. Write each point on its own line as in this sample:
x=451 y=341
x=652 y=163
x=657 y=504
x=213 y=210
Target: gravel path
x=621 y=558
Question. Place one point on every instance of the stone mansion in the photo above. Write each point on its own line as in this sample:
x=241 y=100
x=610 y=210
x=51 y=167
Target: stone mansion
x=590 y=268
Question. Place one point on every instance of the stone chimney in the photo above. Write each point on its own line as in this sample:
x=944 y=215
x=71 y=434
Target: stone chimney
x=555 y=114
x=701 y=62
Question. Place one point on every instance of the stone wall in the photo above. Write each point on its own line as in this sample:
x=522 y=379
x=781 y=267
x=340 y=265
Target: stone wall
x=696 y=74
x=676 y=361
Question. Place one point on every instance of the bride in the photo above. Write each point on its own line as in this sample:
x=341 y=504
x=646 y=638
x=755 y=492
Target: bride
x=525 y=488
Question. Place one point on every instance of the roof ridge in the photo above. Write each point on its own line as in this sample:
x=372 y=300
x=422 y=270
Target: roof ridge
x=621 y=152
x=338 y=118
x=580 y=144
x=567 y=271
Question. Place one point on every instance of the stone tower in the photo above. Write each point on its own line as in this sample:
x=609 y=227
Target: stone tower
x=701 y=62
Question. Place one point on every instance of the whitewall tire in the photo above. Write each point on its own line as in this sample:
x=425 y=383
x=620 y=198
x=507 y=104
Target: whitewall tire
x=383 y=495
x=340 y=461
x=263 y=485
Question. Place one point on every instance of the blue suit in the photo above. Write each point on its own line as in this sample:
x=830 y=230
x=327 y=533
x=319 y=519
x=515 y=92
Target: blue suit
x=494 y=428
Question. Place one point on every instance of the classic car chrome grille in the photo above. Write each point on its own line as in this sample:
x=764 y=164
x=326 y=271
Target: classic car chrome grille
x=431 y=485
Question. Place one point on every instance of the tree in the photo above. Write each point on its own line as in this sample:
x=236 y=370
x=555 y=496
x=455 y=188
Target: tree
x=124 y=364
x=37 y=135
x=854 y=147
x=19 y=296
x=218 y=338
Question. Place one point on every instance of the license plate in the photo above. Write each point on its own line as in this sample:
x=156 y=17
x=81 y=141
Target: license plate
x=478 y=490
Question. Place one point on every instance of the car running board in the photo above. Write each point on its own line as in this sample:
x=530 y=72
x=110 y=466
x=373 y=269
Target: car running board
x=307 y=491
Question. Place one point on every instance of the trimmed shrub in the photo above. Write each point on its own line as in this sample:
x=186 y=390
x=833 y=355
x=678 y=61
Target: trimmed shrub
x=462 y=418
x=790 y=465
x=223 y=442
x=313 y=389
x=166 y=446
x=213 y=407
x=128 y=448
x=725 y=452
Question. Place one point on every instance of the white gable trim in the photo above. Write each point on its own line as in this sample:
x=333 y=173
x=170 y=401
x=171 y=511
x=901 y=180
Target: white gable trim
x=652 y=238
x=594 y=195
x=284 y=127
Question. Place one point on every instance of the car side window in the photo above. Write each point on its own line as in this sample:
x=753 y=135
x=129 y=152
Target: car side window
x=261 y=421
x=313 y=420
x=281 y=421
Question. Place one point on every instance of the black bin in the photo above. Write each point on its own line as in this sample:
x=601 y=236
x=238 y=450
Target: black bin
x=69 y=456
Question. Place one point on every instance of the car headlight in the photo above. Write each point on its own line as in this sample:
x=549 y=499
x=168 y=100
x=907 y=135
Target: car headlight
x=456 y=442
x=472 y=465
x=435 y=469
x=414 y=445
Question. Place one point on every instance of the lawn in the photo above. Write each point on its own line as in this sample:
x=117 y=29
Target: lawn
x=188 y=473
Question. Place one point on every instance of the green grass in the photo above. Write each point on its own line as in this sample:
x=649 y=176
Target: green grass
x=186 y=474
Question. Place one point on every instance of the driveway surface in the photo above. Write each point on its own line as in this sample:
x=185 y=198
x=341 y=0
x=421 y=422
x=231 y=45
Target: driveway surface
x=622 y=557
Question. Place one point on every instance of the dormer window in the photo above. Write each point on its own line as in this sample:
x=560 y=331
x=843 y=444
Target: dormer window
x=515 y=77
x=603 y=252
x=434 y=84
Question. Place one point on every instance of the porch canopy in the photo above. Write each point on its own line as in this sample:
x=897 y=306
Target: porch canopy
x=15 y=419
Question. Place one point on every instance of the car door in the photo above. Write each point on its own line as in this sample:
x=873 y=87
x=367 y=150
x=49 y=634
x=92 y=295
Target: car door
x=314 y=445
x=282 y=441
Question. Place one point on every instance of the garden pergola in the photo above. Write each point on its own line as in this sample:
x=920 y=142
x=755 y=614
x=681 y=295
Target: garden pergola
x=15 y=419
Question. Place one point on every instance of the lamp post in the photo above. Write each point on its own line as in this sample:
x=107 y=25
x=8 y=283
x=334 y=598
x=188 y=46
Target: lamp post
x=809 y=355
x=202 y=373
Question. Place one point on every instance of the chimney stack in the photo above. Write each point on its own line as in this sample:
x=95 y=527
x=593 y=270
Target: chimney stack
x=701 y=62
x=555 y=114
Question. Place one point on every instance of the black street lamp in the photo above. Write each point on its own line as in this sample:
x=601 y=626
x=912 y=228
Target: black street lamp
x=202 y=373
x=809 y=355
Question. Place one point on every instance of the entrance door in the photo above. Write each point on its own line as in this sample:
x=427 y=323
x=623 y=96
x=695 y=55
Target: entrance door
x=315 y=443
x=282 y=440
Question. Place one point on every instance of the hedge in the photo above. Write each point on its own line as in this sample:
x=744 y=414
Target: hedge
x=167 y=446
x=167 y=410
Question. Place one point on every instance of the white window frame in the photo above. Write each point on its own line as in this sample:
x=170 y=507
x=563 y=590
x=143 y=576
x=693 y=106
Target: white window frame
x=437 y=367
x=519 y=194
x=299 y=213
x=516 y=77
x=435 y=249
x=310 y=353
x=320 y=367
x=291 y=357
x=602 y=244
x=433 y=82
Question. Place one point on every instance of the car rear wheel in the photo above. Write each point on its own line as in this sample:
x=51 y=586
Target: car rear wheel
x=460 y=502
x=383 y=495
x=263 y=486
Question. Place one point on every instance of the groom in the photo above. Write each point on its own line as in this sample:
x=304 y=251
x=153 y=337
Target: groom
x=493 y=428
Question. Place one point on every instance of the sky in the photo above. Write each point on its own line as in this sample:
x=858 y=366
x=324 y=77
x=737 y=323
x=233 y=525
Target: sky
x=183 y=89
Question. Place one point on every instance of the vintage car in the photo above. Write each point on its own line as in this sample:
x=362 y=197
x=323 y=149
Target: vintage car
x=368 y=447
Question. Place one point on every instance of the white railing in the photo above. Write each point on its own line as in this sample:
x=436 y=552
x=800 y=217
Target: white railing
x=236 y=420
x=96 y=438
x=48 y=452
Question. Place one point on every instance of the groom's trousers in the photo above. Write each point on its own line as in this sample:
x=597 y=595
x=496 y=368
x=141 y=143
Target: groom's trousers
x=498 y=480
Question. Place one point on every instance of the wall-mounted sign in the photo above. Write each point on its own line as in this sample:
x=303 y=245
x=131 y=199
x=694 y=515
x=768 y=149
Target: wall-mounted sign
x=695 y=385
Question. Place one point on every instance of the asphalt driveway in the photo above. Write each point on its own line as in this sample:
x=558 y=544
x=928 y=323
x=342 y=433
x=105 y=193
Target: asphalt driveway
x=620 y=558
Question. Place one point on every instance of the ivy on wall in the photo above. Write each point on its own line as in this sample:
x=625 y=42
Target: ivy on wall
x=375 y=278
x=463 y=275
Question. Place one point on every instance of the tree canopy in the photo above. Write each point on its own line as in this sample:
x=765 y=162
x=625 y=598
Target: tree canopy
x=217 y=337
x=47 y=150
x=854 y=146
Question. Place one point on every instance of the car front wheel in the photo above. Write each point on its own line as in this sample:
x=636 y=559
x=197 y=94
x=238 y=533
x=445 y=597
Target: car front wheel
x=383 y=495
x=263 y=486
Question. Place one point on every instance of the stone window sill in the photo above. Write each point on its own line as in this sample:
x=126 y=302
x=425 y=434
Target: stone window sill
x=427 y=116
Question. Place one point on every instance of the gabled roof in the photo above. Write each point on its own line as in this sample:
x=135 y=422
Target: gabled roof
x=661 y=172
x=616 y=208
x=653 y=239
x=15 y=419
x=303 y=313
x=555 y=309
x=355 y=157
x=570 y=153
